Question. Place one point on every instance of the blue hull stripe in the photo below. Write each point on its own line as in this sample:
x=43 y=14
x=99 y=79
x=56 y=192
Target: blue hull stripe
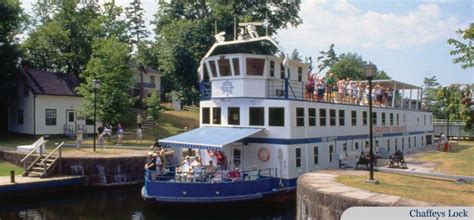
x=283 y=141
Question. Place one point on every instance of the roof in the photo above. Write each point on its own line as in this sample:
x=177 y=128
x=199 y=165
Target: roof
x=49 y=83
x=390 y=83
x=213 y=138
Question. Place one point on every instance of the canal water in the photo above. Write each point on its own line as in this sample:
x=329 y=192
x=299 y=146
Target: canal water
x=128 y=204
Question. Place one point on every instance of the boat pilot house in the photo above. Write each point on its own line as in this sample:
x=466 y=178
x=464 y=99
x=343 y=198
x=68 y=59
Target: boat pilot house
x=260 y=127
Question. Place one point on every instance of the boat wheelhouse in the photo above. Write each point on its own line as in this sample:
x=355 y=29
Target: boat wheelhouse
x=254 y=111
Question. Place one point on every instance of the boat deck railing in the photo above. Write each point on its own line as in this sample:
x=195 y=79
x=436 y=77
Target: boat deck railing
x=199 y=175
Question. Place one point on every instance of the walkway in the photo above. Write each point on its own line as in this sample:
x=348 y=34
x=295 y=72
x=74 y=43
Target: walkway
x=30 y=184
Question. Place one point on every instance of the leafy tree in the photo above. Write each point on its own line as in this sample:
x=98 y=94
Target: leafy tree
x=295 y=55
x=464 y=50
x=449 y=101
x=109 y=65
x=430 y=89
x=327 y=58
x=112 y=24
x=153 y=104
x=350 y=65
x=136 y=22
x=381 y=74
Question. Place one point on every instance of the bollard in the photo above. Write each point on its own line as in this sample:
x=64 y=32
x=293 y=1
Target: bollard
x=12 y=176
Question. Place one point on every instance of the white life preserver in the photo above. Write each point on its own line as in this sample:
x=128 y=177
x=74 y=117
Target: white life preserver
x=263 y=154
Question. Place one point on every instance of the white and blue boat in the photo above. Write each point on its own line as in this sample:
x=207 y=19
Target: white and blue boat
x=253 y=110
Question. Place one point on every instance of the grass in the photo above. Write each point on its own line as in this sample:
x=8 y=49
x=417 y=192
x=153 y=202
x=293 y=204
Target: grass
x=460 y=161
x=430 y=190
x=169 y=123
x=6 y=167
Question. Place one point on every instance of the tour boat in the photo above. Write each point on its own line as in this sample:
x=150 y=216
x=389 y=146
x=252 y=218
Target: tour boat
x=254 y=111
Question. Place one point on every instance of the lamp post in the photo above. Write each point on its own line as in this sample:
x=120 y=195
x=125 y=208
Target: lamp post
x=96 y=85
x=370 y=70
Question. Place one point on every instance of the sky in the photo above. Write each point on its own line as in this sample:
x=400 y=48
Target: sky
x=405 y=38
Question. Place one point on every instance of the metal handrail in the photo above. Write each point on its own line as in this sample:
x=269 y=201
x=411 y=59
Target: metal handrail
x=32 y=151
x=52 y=152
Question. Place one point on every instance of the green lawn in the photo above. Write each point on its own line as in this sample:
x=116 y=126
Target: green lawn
x=431 y=190
x=6 y=167
x=460 y=161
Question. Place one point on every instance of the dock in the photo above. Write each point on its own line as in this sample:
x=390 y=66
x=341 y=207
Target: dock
x=24 y=185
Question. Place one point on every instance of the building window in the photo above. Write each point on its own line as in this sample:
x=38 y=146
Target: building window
x=19 y=116
x=282 y=71
x=403 y=144
x=383 y=118
x=50 y=116
x=276 y=116
x=236 y=65
x=299 y=117
x=354 y=118
x=391 y=118
x=300 y=74
x=316 y=154
x=332 y=117
x=70 y=116
x=255 y=66
x=89 y=121
x=233 y=115
x=212 y=66
x=311 y=116
x=414 y=142
x=388 y=145
x=331 y=152
x=206 y=115
x=431 y=119
x=374 y=118
x=257 y=116
x=357 y=145
x=409 y=142
x=272 y=68
x=396 y=144
x=224 y=67
x=298 y=157
x=322 y=117
x=26 y=91
x=364 y=118
x=216 y=115
x=342 y=118
x=152 y=80
x=398 y=119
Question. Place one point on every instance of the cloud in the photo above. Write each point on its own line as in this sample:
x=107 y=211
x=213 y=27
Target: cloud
x=344 y=24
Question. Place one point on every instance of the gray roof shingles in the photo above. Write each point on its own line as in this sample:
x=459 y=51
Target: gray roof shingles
x=48 y=83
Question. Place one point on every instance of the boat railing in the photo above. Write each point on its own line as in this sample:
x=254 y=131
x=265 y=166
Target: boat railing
x=220 y=176
x=205 y=90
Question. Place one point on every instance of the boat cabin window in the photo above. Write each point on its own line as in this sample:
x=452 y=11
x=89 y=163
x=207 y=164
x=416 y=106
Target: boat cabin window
x=316 y=154
x=356 y=145
x=236 y=65
x=212 y=66
x=300 y=74
x=224 y=67
x=332 y=117
x=276 y=116
x=257 y=116
x=331 y=152
x=206 y=115
x=414 y=142
x=298 y=157
x=391 y=118
x=282 y=71
x=374 y=118
x=299 y=117
x=311 y=116
x=383 y=118
x=216 y=115
x=255 y=66
x=322 y=117
x=354 y=118
x=398 y=119
x=424 y=119
x=233 y=116
x=388 y=145
x=342 y=117
x=364 y=118
x=272 y=68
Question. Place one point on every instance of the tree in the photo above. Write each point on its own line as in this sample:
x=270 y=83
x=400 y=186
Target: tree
x=381 y=74
x=109 y=65
x=430 y=88
x=295 y=55
x=136 y=22
x=350 y=65
x=464 y=50
x=153 y=104
x=449 y=101
x=328 y=58
x=112 y=24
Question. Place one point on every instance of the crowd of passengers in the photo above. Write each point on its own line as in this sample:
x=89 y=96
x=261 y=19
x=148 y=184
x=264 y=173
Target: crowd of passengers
x=348 y=91
x=192 y=169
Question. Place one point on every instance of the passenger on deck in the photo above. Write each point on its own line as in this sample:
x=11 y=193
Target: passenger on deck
x=234 y=175
x=210 y=170
x=330 y=84
x=321 y=85
x=151 y=165
x=254 y=174
x=310 y=87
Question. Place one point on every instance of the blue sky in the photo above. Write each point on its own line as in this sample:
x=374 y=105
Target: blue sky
x=405 y=38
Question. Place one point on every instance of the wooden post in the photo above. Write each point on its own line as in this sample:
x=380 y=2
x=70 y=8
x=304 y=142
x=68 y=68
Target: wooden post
x=12 y=176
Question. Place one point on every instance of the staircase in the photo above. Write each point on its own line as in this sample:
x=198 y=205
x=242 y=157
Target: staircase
x=146 y=122
x=42 y=165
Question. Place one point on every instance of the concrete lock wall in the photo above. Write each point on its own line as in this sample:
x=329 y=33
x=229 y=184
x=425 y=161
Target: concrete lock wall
x=319 y=196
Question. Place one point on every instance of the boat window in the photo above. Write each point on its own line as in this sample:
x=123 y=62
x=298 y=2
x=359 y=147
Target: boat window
x=233 y=114
x=255 y=66
x=404 y=119
x=398 y=119
x=366 y=145
x=216 y=115
x=354 y=118
x=417 y=120
x=396 y=144
x=342 y=117
x=357 y=145
x=311 y=116
x=391 y=118
x=276 y=116
x=316 y=154
x=206 y=73
x=322 y=117
x=374 y=118
x=298 y=157
x=388 y=145
x=383 y=118
x=272 y=68
x=300 y=74
x=257 y=116
x=332 y=117
x=403 y=144
x=422 y=141
x=424 y=119
x=236 y=154
x=414 y=142
x=331 y=152
x=299 y=117
x=224 y=67
x=409 y=142
x=236 y=65
x=206 y=115
x=212 y=66
x=364 y=118
x=282 y=71
x=431 y=119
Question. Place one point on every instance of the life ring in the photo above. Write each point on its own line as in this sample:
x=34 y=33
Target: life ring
x=263 y=154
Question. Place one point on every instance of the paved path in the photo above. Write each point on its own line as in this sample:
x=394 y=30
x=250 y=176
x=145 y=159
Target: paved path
x=88 y=152
x=32 y=184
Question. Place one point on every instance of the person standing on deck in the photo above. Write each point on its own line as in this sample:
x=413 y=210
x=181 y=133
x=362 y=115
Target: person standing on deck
x=330 y=84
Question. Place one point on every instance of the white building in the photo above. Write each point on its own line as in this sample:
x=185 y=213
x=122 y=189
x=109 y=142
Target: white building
x=150 y=82
x=46 y=103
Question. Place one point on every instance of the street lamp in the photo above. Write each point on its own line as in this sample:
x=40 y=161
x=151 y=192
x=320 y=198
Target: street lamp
x=96 y=85
x=370 y=69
